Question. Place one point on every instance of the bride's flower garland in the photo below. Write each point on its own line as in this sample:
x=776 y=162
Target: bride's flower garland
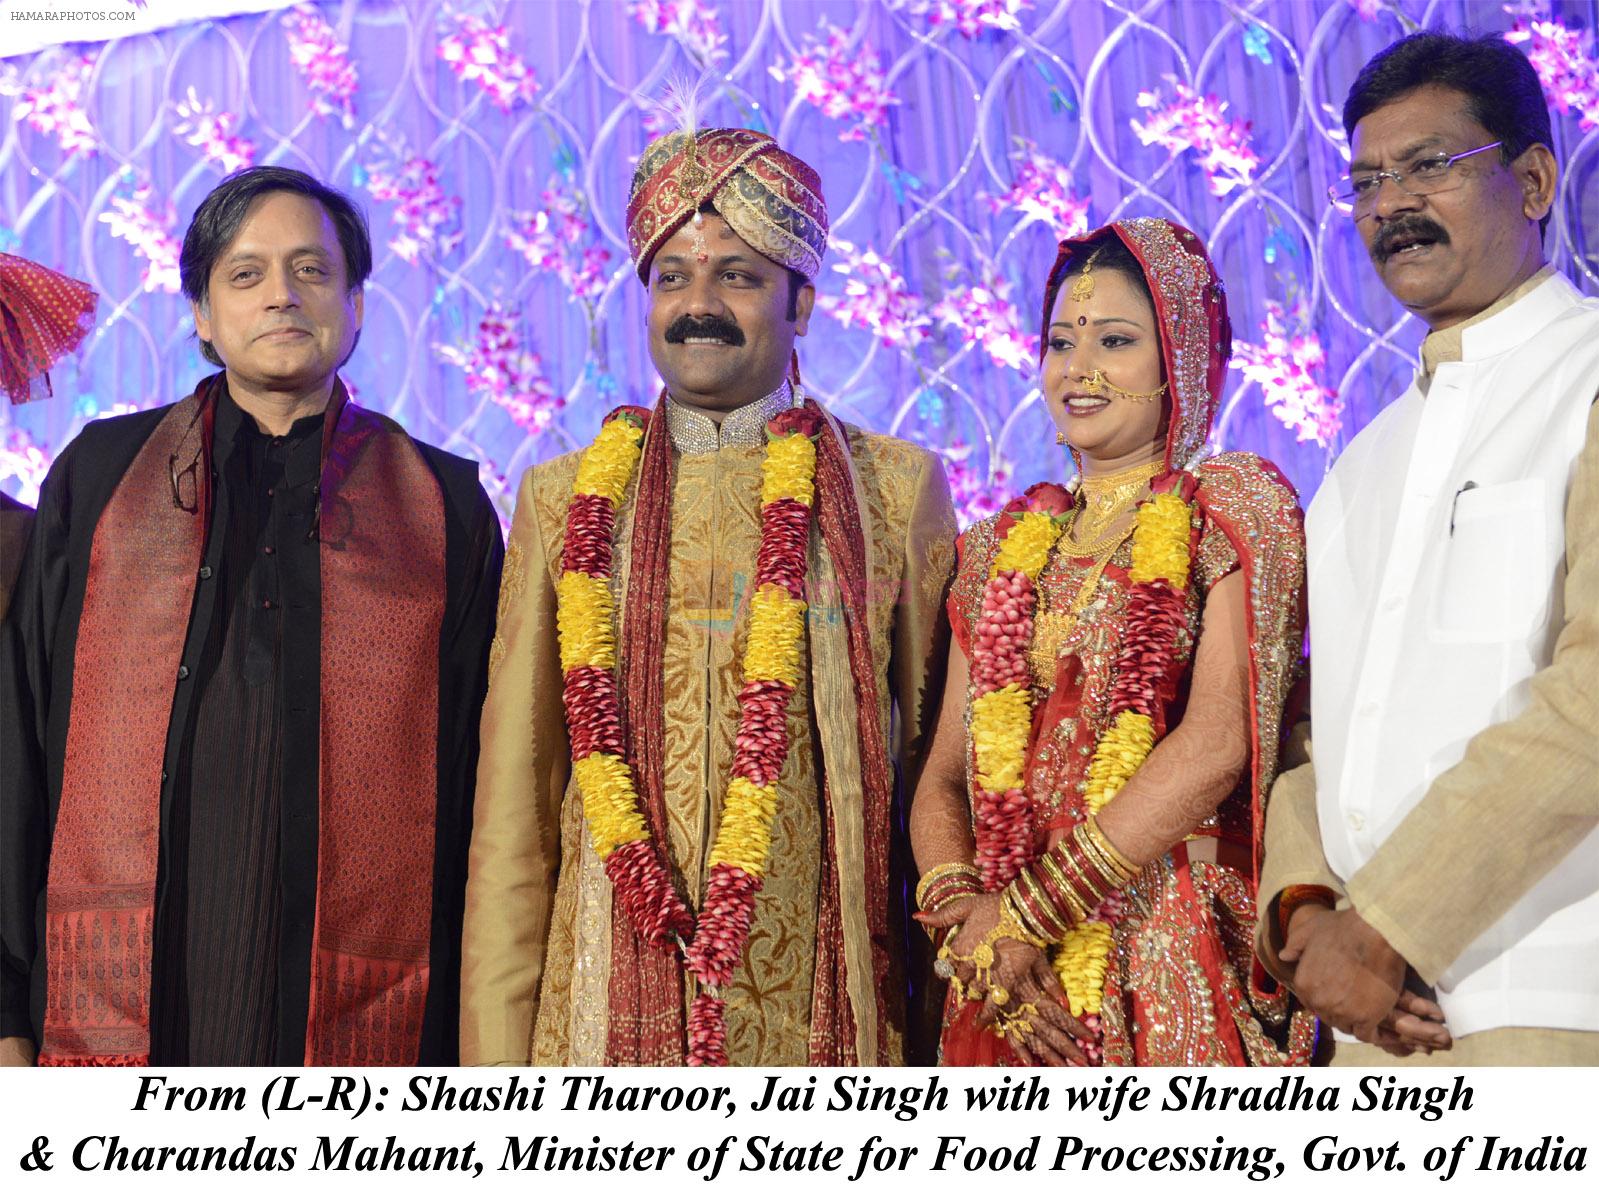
x=772 y=665
x=1002 y=693
x=1002 y=710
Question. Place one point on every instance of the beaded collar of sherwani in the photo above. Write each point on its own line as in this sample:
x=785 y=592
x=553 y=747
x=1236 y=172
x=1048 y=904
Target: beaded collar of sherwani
x=695 y=433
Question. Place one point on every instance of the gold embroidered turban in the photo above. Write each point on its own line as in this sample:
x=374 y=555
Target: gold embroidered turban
x=770 y=198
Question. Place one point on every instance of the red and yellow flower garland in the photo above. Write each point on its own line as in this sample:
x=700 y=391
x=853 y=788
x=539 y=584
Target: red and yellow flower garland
x=772 y=666
x=1002 y=694
x=1002 y=707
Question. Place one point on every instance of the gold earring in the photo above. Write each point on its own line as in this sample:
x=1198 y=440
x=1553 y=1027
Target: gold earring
x=1060 y=439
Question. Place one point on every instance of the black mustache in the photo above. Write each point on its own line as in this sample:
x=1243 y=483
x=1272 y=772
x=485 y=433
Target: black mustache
x=704 y=327
x=1407 y=229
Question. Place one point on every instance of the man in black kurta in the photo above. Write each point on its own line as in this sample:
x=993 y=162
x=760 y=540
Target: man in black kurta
x=269 y=912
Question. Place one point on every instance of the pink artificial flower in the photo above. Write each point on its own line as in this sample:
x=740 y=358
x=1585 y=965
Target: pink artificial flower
x=1199 y=123
x=559 y=239
x=323 y=61
x=150 y=235
x=1043 y=192
x=876 y=298
x=481 y=53
x=429 y=220
x=844 y=82
x=1566 y=68
x=212 y=132
x=499 y=366
x=969 y=17
x=57 y=109
x=1367 y=9
x=983 y=312
x=1286 y=364
x=976 y=494
x=693 y=23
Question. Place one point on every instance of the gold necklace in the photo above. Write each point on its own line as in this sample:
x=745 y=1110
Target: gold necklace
x=1102 y=501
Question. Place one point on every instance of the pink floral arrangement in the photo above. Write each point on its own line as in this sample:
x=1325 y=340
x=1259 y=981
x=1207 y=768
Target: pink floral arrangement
x=1564 y=62
x=976 y=494
x=694 y=24
x=1286 y=364
x=481 y=53
x=201 y=126
x=876 y=298
x=500 y=366
x=1042 y=191
x=846 y=83
x=150 y=235
x=1199 y=123
x=969 y=17
x=559 y=239
x=429 y=220
x=983 y=312
x=57 y=109
x=323 y=61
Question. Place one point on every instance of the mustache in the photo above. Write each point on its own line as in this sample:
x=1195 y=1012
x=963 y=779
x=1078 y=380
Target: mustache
x=704 y=327
x=1407 y=229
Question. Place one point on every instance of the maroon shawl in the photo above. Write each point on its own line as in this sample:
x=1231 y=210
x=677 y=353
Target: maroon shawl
x=381 y=531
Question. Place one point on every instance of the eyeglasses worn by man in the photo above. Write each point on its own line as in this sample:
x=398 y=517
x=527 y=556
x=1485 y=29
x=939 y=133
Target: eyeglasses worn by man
x=1452 y=789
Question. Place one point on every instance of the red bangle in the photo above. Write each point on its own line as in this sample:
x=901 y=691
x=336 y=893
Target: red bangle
x=1292 y=897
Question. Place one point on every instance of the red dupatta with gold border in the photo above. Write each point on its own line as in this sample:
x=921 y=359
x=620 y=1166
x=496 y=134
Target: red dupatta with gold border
x=1257 y=510
x=382 y=553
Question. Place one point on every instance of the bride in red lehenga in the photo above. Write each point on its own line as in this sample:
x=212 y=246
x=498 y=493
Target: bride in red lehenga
x=1089 y=822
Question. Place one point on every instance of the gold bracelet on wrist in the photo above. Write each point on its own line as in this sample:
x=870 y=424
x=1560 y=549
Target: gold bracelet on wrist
x=1076 y=903
x=1112 y=860
x=946 y=871
x=1013 y=911
x=1010 y=926
x=1036 y=910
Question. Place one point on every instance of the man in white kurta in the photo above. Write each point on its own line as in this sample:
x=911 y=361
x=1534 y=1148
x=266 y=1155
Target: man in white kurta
x=1450 y=806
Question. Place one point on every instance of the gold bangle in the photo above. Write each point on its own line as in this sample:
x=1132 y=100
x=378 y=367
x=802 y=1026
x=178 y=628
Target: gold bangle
x=942 y=872
x=1069 y=892
x=1113 y=858
x=1044 y=906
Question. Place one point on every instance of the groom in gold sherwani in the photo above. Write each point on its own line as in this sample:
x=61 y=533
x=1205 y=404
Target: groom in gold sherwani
x=727 y=231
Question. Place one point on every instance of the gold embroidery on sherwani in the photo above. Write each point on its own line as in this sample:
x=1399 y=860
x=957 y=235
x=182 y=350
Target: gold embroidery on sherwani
x=513 y=582
x=715 y=533
x=552 y=1033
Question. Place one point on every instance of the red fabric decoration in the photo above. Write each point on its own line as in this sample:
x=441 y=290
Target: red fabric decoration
x=43 y=317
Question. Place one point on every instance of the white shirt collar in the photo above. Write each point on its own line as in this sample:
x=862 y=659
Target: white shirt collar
x=1502 y=326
